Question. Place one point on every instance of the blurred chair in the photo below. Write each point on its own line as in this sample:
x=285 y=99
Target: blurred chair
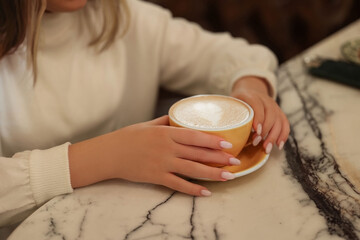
x=286 y=26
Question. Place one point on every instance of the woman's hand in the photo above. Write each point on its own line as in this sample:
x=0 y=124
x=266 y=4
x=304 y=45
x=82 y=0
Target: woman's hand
x=151 y=152
x=270 y=123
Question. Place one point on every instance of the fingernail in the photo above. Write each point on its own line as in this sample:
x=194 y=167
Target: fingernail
x=259 y=129
x=227 y=175
x=281 y=145
x=257 y=140
x=268 y=148
x=234 y=161
x=225 y=144
x=205 y=193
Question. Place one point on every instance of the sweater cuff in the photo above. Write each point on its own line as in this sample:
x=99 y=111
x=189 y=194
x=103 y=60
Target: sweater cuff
x=49 y=173
x=267 y=75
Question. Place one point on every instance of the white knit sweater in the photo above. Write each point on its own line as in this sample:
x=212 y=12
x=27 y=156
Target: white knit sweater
x=80 y=94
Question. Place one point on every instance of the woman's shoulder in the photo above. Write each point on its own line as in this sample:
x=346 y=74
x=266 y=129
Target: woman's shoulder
x=147 y=19
x=146 y=10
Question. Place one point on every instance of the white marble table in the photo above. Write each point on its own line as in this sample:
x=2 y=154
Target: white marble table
x=309 y=191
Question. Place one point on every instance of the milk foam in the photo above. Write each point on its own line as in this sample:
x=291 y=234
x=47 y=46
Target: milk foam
x=210 y=112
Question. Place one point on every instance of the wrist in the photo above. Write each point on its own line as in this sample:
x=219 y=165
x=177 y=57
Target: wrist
x=89 y=161
x=252 y=83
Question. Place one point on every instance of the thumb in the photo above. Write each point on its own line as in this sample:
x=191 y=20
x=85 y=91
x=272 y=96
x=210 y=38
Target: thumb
x=164 y=120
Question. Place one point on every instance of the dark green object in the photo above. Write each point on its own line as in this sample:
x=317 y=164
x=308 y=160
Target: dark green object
x=338 y=71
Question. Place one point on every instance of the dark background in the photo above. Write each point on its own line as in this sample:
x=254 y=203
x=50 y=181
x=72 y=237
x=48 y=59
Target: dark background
x=286 y=26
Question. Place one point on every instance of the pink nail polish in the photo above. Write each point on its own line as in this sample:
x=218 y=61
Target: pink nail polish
x=227 y=175
x=205 y=193
x=268 y=148
x=234 y=161
x=281 y=145
x=225 y=144
x=257 y=140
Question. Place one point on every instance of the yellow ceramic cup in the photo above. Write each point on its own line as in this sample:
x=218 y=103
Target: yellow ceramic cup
x=237 y=133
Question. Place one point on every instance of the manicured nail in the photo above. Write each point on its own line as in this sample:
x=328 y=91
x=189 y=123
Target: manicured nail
x=234 y=161
x=281 y=145
x=259 y=129
x=205 y=193
x=268 y=148
x=257 y=140
x=225 y=144
x=227 y=175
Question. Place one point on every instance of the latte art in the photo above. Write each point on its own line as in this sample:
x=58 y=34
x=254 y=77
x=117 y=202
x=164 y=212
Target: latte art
x=210 y=112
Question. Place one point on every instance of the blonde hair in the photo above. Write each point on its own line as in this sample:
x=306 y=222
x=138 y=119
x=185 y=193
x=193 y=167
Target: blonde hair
x=22 y=18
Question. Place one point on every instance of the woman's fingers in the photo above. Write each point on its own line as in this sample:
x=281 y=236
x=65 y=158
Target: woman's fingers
x=181 y=185
x=256 y=139
x=285 y=130
x=199 y=139
x=259 y=111
x=271 y=115
x=197 y=170
x=205 y=155
x=272 y=136
x=258 y=117
x=164 y=120
x=272 y=125
x=266 y=115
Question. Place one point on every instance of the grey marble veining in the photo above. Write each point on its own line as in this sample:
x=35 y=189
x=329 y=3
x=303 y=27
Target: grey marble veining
x=311 y=159
x=308 y=191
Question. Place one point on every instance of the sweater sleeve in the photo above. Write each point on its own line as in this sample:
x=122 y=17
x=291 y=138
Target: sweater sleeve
x=195 y=61
x=29 y=179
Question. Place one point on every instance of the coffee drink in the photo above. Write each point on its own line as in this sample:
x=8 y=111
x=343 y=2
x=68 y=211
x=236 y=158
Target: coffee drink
x=208 y=112
x=223 y=116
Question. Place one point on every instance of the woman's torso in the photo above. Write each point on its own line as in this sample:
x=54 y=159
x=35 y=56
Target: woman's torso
x=79 y=93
